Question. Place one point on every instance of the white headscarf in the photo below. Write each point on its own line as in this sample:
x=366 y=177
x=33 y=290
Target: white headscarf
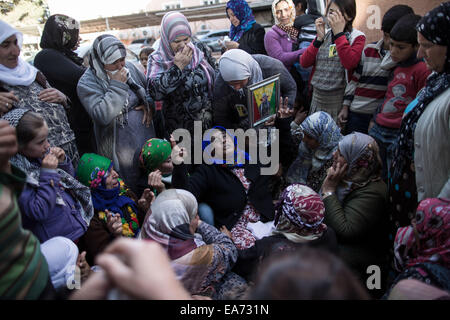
x=61 y=255
x=24 y=73
x=236 y=64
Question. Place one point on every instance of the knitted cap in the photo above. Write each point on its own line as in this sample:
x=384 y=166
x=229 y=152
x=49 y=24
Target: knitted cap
x=92 y=168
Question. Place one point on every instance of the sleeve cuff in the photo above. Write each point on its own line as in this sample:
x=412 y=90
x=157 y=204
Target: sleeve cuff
x=340 y=34
x=317 y=43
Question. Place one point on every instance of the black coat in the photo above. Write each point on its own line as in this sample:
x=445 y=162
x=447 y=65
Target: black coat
x=226 y=98
x=249 y=259
x=252 y=41
x=219 y=187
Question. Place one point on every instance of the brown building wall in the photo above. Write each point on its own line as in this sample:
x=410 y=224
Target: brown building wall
x=370 y=14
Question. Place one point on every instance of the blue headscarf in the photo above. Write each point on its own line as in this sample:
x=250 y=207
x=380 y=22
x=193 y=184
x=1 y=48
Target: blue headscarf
x=245 y=16
x=238 y=153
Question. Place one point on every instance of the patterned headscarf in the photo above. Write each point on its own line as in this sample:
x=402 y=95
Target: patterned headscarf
x=321 y=126
x=288 y=28
x=61 y=33
x=92 y=171
x=173 y=25
x=154 y=152
x=242 y=11
x=299 y=214
x=360 y=151
x=434 y=27
x=106 y=50
x=236 y=64
x=429 y=239
x=24 y=73
x=172 y=212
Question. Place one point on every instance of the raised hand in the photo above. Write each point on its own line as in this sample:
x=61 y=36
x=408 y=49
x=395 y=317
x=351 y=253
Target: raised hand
x=50 y=161
x=334 y=176
x=146 y=200
x=58 y=153
x=177 y=152
x=114 y=223
x=121 y=75
x=284 y=111
x=337 y=22
x=320 y=28
x=155 y=181
x=183 y=58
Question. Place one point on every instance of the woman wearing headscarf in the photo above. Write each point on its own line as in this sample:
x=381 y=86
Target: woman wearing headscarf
x=180 y=75
x=23 y=86
x=237 y=70
x=281 y=42
x=355 y=203
x=320 y=137
x=201 y=255
x=63 y=69
x=117 y=210
x=422 y=249
x=113 y=93
x=245 y=33
x=431 y=143
x=299 y=216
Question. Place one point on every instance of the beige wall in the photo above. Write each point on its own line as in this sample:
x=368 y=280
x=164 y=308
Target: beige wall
x=367 y=16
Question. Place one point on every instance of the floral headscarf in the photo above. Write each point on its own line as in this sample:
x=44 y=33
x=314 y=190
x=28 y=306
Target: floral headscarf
x=242 y=11
x=428 y=240
x=154 y=152
x=61 y=33
x=92 y=171
x=288 y=28
x=299 y=214
x=364 y=164
x=321 y=126
x=173 y=25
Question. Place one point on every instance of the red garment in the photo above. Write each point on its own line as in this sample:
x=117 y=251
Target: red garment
x=350 y=55
x=402 y=89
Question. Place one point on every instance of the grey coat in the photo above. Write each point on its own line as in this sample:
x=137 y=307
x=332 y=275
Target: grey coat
x=111 y=107
x=226 y=98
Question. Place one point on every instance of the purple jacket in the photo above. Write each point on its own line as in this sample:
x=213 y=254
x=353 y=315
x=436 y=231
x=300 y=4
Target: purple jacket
x=279 y=46
x=44 y=213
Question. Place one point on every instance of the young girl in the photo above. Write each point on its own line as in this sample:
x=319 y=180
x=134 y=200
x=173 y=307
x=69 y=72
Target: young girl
x=53 y=203
x=334 y=55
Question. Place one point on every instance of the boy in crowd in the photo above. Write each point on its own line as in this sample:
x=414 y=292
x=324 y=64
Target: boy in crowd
x=367 y=88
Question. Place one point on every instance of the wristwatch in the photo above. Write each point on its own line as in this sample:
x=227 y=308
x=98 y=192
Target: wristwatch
x=326 y=194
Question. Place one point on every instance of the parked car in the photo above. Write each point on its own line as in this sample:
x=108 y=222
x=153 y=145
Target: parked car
x=213 y=38
x=137 y=45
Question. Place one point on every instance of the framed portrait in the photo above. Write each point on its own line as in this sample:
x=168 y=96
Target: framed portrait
x=263 y=100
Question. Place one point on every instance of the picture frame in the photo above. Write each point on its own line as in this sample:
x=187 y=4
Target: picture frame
x=263 y=99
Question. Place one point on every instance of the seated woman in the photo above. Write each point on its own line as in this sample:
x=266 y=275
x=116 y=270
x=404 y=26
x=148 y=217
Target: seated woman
x=319 y=136
x=63 y=69
x=113 y=93
x=201 y=255
x=245 y=33
x=53 y=203
x=237 y=70
x=281 y=42
x=117 y=210
x=23 y=86
x=299 y=221
x=235 y=188
x=181 y=74
x=355 y=203
x=422 y=249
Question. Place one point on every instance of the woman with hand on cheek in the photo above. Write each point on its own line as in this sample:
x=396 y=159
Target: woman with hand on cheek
x=355 y=202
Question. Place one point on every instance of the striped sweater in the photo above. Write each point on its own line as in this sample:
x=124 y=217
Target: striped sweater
x=365 y=92
x=23 y=269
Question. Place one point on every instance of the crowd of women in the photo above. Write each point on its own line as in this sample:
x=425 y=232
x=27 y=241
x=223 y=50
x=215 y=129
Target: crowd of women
x=88 y=159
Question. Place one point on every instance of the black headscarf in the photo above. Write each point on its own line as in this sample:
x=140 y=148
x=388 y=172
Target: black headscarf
x=434 y=27
x=61 y=33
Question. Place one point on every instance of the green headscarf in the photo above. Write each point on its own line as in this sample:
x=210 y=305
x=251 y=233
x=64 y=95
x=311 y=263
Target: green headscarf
x=91 y=169
x=154 y=152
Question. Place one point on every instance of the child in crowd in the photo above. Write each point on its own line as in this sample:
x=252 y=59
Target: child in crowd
x=143 y=57
x=53 y=203
x=409 y=76
x=367 y=88
x=334 y=55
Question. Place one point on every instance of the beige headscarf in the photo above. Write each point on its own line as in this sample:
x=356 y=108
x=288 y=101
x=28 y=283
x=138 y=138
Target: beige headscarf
x=291 y=6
